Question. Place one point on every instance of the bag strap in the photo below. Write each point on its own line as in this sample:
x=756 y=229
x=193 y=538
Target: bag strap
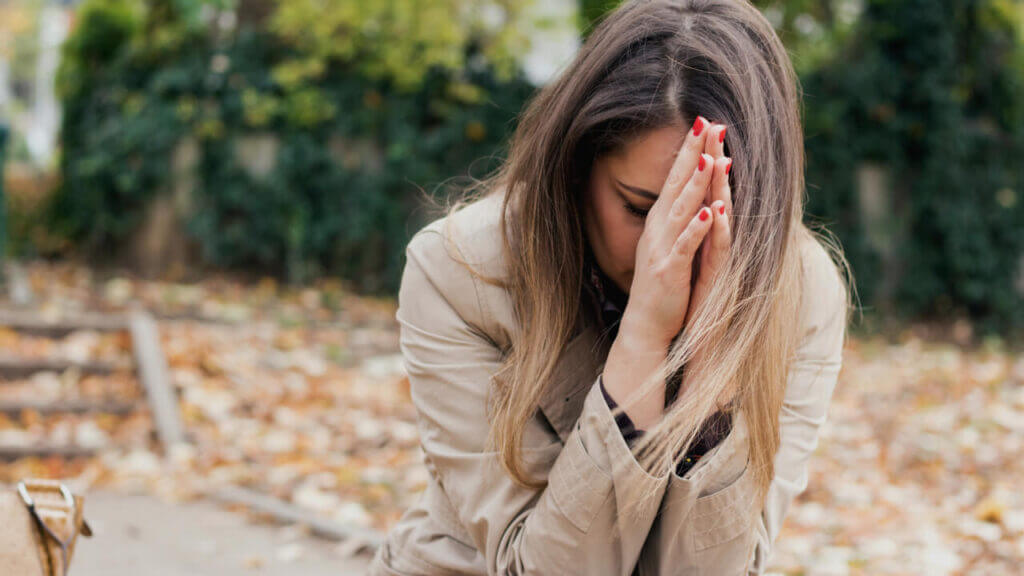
x=46 y=529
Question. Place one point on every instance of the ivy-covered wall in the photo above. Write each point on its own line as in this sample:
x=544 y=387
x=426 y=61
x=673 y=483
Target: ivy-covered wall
x=346 y=136
x=913 y=112
x=928 y=99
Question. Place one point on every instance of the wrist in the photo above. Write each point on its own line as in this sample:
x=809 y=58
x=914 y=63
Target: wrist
x=632 y=357
x=636 y=332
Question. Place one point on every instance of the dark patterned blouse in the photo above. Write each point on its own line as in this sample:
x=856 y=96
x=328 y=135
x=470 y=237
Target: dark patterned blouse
x=609 y=302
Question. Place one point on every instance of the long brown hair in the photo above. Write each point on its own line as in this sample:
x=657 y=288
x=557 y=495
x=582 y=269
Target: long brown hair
x=646 y=65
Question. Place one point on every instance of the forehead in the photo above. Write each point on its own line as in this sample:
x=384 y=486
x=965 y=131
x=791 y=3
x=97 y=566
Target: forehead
x=646 y=160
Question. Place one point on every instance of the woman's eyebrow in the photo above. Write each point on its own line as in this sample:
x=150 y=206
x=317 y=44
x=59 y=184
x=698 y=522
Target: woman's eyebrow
x=638 y=191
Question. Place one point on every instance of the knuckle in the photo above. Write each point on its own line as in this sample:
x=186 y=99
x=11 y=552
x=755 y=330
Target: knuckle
x=693 y=190
x=677 y=208
x=683 y=247
x=675 y=178
x=661 y=272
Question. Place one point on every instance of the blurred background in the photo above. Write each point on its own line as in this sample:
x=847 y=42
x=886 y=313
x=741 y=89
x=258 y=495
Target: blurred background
x=203 y=211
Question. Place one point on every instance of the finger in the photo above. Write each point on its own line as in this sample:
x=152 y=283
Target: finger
x=684 y=165
x=687 y=243
x=720 y=189
x=721 y=237
x=692 y=197
x=715 y=144
x=714 y=250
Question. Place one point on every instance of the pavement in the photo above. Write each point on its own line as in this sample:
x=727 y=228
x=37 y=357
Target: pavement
x=140 y=535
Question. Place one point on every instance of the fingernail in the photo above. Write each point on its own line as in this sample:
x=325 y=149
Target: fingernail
x=728 y=166
x=700 y=163
x=698 y=125
x=704 y=213
x=721 y=208
x=721 y=135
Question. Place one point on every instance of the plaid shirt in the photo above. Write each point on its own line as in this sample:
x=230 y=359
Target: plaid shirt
x=609 y=302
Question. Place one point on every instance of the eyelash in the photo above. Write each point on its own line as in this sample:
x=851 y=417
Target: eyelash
x=634 y=210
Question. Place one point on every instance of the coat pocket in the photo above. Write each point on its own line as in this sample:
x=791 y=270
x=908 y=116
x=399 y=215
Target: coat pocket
x=725 y=514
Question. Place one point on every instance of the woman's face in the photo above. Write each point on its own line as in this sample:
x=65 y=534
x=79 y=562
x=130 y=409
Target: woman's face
x=619 y=185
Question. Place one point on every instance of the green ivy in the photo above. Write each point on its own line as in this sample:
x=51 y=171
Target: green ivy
x=929 y=90
x=936 y=100
x=131 y=97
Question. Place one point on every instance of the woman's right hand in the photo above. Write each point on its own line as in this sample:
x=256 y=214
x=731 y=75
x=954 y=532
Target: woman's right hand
x=675 y=226
x=659 y=295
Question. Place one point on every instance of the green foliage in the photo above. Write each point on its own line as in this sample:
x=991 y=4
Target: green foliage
x=812 y=29
x=401 y=41
x=355 y=133
x=937 y=101
x=367 y=103
x=117 y=129
x=591 y=11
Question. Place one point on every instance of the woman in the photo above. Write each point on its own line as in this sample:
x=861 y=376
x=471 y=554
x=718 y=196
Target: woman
x=622 y=350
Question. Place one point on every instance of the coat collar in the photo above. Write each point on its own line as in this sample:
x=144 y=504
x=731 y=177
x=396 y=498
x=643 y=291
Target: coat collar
x=576 y=370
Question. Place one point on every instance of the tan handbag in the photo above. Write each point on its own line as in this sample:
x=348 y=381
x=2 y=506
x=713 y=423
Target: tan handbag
x=39 y=524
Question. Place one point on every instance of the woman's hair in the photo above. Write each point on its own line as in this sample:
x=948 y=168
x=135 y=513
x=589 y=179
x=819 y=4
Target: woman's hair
x=647 y=65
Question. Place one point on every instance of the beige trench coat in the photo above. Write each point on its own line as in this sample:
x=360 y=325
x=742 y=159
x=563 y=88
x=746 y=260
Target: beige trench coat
x=473 y=519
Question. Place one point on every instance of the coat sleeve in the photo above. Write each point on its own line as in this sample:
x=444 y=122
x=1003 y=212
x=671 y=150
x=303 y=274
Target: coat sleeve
x=580 y=522
x=811 y=381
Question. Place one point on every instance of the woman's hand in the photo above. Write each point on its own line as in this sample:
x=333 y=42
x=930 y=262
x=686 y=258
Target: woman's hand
x=659 y=295
x=715 y=249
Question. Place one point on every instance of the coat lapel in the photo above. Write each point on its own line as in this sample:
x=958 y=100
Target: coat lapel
x=581 y=361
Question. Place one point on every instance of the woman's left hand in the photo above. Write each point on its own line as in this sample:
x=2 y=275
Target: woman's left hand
x=715 y=248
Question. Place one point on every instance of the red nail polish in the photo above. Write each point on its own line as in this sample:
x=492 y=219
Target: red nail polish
x=704 y=214
x=721 y=209
x=698 y=125
x=728 y=166
x=721 y=135
x=700 y=163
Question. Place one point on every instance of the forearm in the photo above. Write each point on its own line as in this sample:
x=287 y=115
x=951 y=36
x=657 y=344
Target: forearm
x=631 y=360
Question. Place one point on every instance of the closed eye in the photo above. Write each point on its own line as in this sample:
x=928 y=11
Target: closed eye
x=635 y=211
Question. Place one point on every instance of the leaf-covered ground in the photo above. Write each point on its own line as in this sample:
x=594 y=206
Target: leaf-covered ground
x=300 y=393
